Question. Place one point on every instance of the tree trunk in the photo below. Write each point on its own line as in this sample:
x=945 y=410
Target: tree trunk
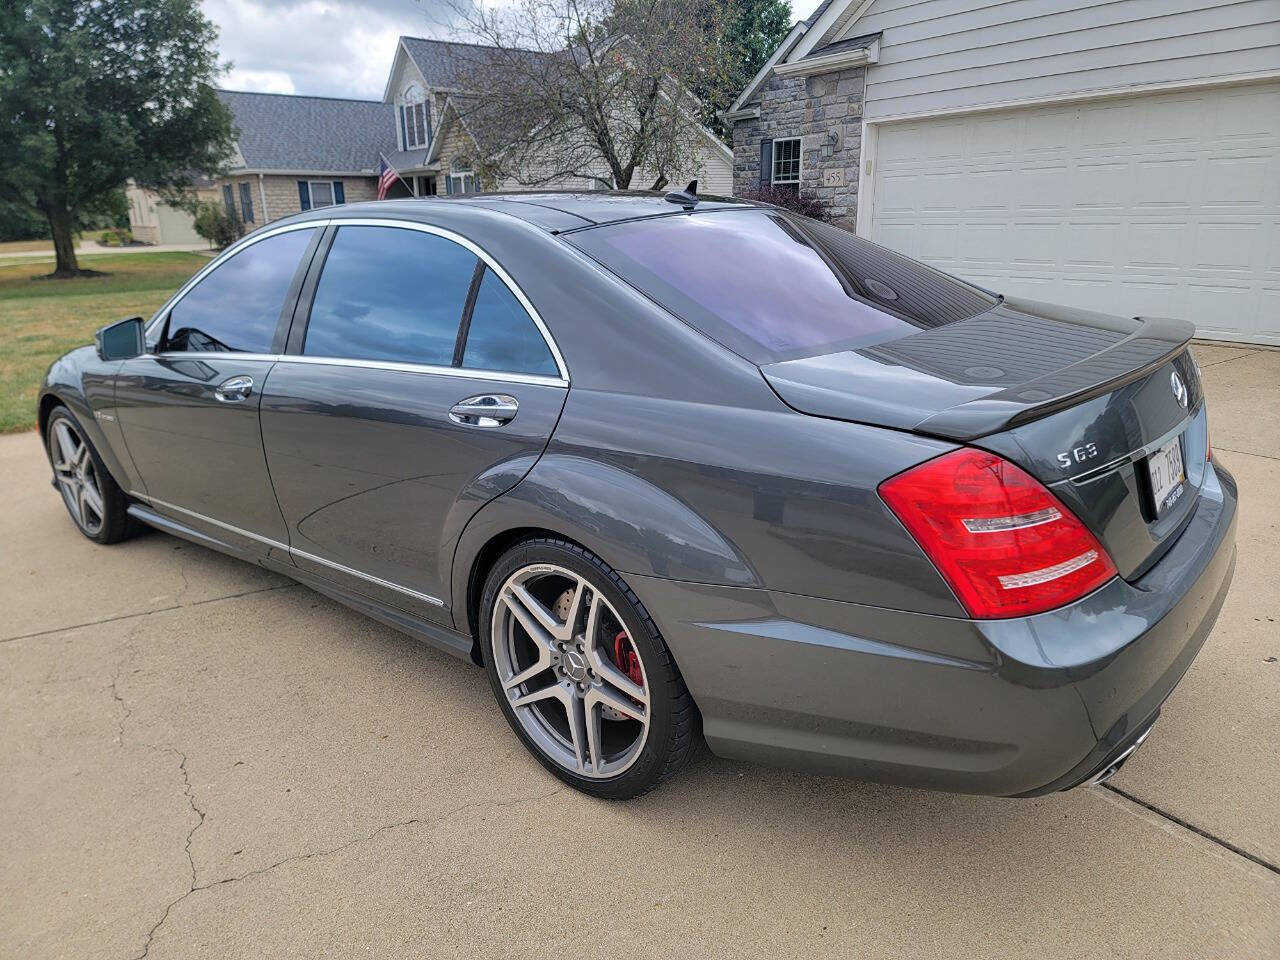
x=64 y=241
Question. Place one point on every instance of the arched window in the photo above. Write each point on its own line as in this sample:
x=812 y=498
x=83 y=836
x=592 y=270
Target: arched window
x=415 y=117
x=461 y=177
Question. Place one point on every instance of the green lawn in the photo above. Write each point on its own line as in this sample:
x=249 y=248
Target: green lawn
x=42 y=319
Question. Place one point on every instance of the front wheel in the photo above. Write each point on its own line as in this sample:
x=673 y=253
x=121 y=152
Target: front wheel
x=96 y=503
x=581 y=672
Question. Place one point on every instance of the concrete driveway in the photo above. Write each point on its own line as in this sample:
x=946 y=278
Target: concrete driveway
x=200 y=759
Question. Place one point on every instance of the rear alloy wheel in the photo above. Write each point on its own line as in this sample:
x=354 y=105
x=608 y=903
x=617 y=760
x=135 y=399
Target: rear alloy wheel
x=581 y=672
x=93 y=499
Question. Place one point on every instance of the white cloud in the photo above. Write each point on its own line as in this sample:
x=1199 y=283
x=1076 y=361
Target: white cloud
x=317 y=47
x=800 y=9
x=259 y=81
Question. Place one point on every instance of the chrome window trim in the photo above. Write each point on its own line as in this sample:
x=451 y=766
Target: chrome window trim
x=291 y=551
x=489 y=261
x=214 y=355
x=242 y=244
x=460 y=372
x=463 y=372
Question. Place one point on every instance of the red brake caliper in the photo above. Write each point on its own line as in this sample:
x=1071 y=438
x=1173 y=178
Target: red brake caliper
x=625 y=657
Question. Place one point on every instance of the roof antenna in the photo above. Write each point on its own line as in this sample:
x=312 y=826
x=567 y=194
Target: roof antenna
x=687 y=198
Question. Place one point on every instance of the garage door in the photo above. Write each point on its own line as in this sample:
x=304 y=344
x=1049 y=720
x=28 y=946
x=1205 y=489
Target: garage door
x=1159 y=205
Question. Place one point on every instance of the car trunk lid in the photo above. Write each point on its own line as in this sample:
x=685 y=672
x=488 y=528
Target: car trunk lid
x=1082 y=401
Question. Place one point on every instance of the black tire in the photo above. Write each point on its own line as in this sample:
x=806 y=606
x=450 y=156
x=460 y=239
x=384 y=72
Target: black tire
x=116 y=524
x=675 y=726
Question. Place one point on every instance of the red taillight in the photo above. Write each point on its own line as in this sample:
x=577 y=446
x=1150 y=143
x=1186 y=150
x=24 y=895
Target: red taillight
x=1005 y=544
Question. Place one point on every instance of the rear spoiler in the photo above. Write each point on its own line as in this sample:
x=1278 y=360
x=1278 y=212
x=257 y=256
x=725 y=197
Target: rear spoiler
x=1144 y=351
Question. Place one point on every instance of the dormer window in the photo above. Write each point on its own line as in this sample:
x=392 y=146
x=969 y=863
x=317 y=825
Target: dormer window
x=461 y=177
x=415 y=118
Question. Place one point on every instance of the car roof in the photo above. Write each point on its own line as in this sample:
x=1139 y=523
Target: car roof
x=590 y=208
x=552 y=211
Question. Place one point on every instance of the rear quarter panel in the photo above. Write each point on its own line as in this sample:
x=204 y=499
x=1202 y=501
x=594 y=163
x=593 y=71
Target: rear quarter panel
x=735 y=496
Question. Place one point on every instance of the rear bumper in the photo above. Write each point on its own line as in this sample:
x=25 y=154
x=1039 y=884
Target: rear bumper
x=1013 y=707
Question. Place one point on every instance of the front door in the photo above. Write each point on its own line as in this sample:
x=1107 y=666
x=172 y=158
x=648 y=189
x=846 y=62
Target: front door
x=377 y=458
x=189 y=408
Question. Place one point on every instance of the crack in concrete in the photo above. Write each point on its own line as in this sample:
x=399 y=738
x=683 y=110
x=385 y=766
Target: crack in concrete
x=148 y=613
x=430 y=822
x=1249 y=352
x=131 y=652
x=1187 y=825
x=1245 y=453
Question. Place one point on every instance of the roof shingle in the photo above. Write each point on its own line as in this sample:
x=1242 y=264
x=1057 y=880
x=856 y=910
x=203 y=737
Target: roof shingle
x=279 y=131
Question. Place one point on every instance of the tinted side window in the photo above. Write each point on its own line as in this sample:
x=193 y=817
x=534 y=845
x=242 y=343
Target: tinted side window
x=390 y=294
x=503 y=336
x=237 y=306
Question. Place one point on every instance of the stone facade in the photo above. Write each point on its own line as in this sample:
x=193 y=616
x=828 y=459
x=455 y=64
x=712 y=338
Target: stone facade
x=456 y=143
x=818 y=109
x=281 y=192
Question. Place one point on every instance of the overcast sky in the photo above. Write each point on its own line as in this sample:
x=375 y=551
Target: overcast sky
x=335 y=48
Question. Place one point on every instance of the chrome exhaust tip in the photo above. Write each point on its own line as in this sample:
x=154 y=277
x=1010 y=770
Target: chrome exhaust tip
x=1110 y=770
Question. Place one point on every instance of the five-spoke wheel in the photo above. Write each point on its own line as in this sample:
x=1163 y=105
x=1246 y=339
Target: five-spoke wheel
x=92 y=497
x=75 y=473
x=581 y=672
x=556 y=656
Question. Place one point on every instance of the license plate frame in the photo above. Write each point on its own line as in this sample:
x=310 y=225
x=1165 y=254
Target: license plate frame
x=1167 y=475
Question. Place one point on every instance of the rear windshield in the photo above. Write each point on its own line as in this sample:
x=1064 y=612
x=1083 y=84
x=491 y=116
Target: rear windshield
x=772 y=286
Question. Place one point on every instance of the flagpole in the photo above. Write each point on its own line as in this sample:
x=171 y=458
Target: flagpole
x=397 y=173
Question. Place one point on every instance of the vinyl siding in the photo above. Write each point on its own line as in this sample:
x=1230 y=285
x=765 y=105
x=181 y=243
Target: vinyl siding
x=952 y=54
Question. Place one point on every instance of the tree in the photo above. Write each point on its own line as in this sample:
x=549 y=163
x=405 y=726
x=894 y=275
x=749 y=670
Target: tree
x=595 y=89
x=753 y=29
x=93 y=92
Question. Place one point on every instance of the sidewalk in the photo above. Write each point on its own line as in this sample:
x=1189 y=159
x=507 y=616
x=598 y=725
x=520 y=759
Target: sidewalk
x=92 y=249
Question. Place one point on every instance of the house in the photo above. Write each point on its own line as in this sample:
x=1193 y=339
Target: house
x=1122 y=156
x=155 y=221
x=296 y=153
x=441 y=150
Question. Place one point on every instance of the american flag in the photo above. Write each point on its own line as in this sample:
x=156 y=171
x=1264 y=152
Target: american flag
x=386 y=177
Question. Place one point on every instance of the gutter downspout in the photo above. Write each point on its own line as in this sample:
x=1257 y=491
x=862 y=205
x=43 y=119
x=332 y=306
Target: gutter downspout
x=262 y=194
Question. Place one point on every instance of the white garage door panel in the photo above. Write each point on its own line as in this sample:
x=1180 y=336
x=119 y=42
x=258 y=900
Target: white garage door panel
x=1165 y=205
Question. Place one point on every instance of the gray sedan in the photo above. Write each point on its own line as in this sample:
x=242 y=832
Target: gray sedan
x=673 y=468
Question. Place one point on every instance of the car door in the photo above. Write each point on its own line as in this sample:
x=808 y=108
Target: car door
x=421 y=386
x=188 y=409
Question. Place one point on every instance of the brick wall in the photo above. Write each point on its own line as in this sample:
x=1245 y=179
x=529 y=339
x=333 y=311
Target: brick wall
x=810 y=108
x=282 y=193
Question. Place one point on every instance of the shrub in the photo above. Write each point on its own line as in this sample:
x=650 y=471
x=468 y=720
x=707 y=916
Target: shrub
x=120 y=237
x=215 y=224
x=791 y=200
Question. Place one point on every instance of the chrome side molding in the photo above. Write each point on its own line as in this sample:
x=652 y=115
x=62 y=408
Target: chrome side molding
x=291 y=551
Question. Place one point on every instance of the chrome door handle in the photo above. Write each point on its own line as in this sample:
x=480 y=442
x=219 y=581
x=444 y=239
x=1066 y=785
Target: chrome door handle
x=489 y=410
x=234 y=390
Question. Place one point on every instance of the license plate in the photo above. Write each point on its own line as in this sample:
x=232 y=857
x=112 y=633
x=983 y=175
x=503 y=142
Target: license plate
x=1168 y=475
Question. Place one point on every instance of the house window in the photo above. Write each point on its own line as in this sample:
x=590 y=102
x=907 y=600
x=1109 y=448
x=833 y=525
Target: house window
x=786 y=163
x=461 y=177
x=229 y=199
x=320 y=193
x=246 y=202
x=425 y=186
x=415 y=119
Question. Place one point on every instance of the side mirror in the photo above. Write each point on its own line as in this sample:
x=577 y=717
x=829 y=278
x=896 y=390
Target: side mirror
x=122 y=340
